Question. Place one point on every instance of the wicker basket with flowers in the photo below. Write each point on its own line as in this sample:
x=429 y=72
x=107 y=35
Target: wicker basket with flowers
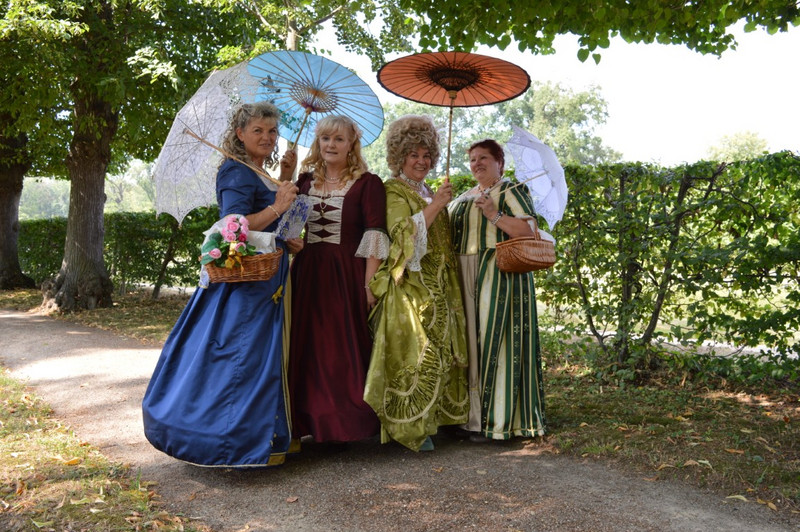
x=229 y=258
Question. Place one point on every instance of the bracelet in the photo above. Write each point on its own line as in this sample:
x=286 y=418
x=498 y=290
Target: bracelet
x=273 y=209
x=497 y=217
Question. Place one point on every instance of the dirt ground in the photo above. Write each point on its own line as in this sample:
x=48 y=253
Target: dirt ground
x=94 y=380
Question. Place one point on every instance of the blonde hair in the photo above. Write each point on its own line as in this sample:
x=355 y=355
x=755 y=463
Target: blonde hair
x=330 y=125
x=405 y=135
x=243 y=115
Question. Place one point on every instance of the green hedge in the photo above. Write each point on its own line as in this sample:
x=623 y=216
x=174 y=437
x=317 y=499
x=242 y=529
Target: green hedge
x=646 y=254
x=139 y=247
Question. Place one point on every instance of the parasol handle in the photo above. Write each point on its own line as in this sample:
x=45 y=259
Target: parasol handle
x=515 y=185
x=257 y=170
x=452 y=94
x=449 y=139
x=305 y=119
x=518 y=183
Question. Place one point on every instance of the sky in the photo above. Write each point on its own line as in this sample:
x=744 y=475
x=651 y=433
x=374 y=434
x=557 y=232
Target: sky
x=666 y=103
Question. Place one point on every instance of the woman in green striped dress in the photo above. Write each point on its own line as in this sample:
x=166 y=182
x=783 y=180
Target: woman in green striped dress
x=505 y=368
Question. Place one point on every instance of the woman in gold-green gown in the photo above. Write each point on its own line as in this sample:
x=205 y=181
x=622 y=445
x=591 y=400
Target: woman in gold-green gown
x=417 y=375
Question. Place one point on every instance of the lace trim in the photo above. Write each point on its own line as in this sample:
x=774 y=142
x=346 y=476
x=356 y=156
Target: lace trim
x=374 y=244
x=420 y=242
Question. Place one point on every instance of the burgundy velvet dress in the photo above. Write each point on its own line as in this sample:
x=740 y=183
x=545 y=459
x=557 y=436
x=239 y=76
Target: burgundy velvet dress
x=330 y=341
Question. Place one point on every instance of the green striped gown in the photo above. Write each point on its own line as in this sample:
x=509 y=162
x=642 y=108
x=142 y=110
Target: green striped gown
x=506 y=387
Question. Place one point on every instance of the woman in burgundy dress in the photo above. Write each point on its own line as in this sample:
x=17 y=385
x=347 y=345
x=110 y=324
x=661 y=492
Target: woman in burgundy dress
x=345 y=242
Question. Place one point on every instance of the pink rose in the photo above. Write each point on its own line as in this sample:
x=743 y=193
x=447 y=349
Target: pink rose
x=229 y=236
x=215 y=253
x=241 y=247
x=244 y=222
x=232 y=226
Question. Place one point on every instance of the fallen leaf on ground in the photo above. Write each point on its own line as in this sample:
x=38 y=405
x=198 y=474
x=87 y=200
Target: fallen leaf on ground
x=739 y=497
x=292 y=499
x=734 y=451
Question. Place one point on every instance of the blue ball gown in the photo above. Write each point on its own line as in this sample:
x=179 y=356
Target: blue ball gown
x=218 y=396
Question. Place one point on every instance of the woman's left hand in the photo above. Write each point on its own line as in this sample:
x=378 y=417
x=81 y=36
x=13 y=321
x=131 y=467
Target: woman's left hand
x=371 y=299
x=294 y=245
x=288 y=163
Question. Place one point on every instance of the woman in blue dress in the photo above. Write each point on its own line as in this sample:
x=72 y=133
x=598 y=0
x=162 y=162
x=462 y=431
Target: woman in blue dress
x=218 y=393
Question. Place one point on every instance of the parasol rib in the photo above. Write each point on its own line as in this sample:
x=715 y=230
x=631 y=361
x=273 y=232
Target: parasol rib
x=229 y=156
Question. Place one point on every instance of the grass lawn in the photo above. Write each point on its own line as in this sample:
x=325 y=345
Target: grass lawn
x=742 y=440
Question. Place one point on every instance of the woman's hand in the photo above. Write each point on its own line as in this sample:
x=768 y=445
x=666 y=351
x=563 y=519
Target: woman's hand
x=443 y=195
x=288 y=164
x=486 y=205
x=371 y=299
x=440 y=199
x=510 y=225
x=295 y=245
x=286 y=194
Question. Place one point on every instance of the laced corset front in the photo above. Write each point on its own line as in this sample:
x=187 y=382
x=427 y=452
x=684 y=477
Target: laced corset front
x=325 y=218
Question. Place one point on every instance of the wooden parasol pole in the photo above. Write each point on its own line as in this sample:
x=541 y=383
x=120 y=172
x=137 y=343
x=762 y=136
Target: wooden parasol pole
x=452 y=95
x=305 y=119
x=257 y=170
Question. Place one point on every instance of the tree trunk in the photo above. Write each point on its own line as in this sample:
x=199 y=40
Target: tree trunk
x=169 y=256
x=630 y=268
x=83 y=281
x=13 y=165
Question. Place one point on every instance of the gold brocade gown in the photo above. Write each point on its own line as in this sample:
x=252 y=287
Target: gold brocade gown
x=417 y=375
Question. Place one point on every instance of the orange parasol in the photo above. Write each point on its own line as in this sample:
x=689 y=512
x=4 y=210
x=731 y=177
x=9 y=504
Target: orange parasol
x=453 y=79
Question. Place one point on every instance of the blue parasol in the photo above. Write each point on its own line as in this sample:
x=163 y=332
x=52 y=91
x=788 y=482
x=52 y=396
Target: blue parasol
x=307 y=87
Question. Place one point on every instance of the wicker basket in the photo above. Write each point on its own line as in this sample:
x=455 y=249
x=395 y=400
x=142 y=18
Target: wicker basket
x=254 y=268
x=525 y=254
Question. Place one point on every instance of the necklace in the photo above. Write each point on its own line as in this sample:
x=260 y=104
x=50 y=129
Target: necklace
x=333 y=181
x=416 y=185
x=326 y=195
x=483 y=190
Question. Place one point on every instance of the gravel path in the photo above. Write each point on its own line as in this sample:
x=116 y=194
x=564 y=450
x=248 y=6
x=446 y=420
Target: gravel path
x=94 y=381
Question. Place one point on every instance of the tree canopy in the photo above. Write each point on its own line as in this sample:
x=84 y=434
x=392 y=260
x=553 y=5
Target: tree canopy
x=366 y=27
x=701 y=26
x=738 y=147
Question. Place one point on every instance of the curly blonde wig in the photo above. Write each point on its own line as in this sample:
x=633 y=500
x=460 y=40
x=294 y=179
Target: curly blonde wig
x=243 y=115
x=405 y=135
x=331 y=125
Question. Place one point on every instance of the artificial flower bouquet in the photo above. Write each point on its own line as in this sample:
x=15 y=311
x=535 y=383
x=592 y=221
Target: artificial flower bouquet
x=228 y=256
x=226 y=247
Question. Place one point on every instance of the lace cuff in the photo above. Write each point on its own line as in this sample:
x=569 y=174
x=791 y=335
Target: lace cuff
x=420 y=242
x=374 y=244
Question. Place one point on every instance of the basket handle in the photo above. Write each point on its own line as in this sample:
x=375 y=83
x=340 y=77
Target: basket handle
x=536 y=234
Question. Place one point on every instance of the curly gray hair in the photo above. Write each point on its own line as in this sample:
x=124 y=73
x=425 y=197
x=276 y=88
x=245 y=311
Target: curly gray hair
x=406 y=134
